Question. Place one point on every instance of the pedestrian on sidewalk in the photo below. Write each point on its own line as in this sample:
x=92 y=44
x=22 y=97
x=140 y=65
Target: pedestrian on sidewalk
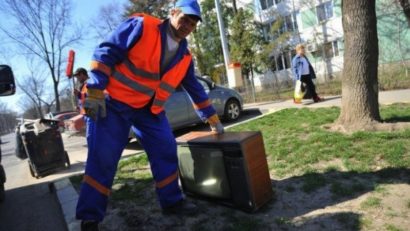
x=139 y=65
x=302 y=70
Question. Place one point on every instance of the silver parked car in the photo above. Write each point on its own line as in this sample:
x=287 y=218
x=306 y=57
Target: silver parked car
x=180 y=112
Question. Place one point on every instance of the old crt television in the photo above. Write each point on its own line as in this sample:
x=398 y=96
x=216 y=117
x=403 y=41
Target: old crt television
x=230 y=168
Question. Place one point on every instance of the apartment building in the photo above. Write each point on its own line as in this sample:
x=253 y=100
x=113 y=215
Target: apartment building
x=318 y=24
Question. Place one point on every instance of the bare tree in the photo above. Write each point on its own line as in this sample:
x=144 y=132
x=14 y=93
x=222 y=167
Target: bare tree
x=41 y=28
x=7 y=119
x=35 y=88
x=108 y=18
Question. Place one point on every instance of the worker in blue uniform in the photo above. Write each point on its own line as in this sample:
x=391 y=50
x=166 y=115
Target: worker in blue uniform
x=139 y=65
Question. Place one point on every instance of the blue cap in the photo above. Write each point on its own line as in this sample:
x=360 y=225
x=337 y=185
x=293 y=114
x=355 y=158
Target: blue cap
x=190 y=7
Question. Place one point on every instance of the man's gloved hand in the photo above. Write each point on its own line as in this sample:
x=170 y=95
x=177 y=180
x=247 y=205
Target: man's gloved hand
x=94 y=105
x=216 y=125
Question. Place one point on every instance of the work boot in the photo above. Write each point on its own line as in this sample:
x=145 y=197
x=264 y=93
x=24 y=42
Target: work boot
x=317 y=99
x=89 y=226
x=183 y=208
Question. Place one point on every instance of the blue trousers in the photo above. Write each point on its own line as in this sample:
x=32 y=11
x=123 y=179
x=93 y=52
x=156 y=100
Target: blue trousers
x=107 y=138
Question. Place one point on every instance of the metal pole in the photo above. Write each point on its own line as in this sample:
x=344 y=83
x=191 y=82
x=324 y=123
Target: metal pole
x=223 y=37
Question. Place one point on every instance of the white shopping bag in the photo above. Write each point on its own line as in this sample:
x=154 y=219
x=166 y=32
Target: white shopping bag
x=298 y=95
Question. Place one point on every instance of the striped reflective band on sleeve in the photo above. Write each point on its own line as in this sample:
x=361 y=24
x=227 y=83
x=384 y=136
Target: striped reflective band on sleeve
x=132 y=84
x=167 y=180
x=158 y=103
x=166 y=87
x=97 y=186
x=202 y=105
x=101 y=67
x=140 y=72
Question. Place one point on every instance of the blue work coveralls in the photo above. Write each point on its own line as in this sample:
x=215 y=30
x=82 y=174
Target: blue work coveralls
x=107 y=137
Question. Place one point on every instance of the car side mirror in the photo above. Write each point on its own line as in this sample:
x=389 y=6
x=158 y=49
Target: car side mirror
x=7 y=84
x=213 y=85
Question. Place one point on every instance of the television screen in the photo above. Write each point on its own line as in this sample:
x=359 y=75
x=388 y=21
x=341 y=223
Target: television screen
x=230 y=167
x=203 y=172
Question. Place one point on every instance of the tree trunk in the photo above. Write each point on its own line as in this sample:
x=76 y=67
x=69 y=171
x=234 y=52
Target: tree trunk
x=360 y=105
x=57 y=96
x=235 y=8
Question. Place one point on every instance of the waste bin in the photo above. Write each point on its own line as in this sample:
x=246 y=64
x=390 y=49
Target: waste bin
x=20 y=151
x=44 y=147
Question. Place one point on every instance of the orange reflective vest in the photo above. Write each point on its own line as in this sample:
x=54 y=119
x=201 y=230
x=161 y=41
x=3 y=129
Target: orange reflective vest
x=137 y=79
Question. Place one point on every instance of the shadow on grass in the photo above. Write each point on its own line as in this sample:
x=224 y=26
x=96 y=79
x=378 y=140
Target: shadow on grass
x=327 y=189
x=395 y=119
x=295 y=197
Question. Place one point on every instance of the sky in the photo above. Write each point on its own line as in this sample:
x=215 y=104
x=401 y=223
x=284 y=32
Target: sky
x=82 y=13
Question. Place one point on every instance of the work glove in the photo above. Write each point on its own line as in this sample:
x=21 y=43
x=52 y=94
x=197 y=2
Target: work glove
x=94 y=104
x=216 y=125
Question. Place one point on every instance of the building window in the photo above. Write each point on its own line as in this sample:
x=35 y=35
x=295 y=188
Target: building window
x=270 y=3
x=263 y=4
x=317 y=52
x=324 y=11
x=328 y=48
x=335 y=48
x=295 y=21
x=341 y=45
x=331 y=49
x=287 y=60
x=291 y=23
x=283 y=61
x=279 y=62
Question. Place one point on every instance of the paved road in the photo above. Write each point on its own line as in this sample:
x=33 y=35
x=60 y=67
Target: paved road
x=28 y=206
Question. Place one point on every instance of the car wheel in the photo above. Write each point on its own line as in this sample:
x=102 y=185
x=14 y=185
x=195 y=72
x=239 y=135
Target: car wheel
x=232 y=110
x=2 y=192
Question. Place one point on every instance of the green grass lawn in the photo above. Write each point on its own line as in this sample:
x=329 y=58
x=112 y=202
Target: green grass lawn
x=296 y=143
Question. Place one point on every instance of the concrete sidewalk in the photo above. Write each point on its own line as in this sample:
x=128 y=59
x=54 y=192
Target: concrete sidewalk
x=385 y=97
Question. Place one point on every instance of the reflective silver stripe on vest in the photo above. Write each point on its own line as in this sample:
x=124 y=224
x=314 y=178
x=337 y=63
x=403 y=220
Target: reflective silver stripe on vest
x=159 y=103
x=132 y=84
x=166 y=87
x=140 y=72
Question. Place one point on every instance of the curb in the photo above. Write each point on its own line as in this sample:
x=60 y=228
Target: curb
x=67 y=197
x=264 y=113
